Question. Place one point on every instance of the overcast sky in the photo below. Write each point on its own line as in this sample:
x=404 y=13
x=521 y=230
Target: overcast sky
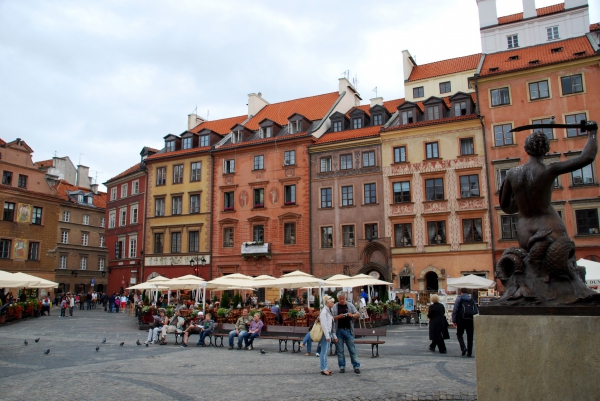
x=98 y=80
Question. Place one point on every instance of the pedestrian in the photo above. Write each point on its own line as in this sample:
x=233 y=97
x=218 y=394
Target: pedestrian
x=344 y=315
x=111 y=303
x=71 y=304
x=88 y=300
x=462 y=318
x=117 y=303
x=438 y=325
x=326 y=319
x=79 y=300
x=63 y=307
x=104 y=300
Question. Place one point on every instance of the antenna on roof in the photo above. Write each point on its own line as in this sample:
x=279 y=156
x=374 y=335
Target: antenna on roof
x=346 y=74
x=375 y=90
x=355 y=82
x=81 y=154
x=207 y=114
x=55 y=153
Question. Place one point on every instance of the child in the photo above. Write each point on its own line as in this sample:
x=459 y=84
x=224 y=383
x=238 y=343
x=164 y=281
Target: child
x=117 y=303
x=63 y=307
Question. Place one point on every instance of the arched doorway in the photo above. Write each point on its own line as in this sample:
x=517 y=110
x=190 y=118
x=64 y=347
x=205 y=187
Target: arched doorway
x=431 y=282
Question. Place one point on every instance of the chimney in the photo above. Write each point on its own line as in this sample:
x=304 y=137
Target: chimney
x=95 y=189
x=487 y=13
x=255 y=103
x=529 y=9
x=376 y=101
x=575 y=3
x=407 y=64
x=83 y=176
x=194 y=120
x=344 y=84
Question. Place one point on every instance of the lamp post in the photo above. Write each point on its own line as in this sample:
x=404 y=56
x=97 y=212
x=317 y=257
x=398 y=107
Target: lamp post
x=194 y=263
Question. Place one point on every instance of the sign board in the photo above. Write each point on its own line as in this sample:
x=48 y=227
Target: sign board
x=132 y=280
x=249 y=248
x=92 y=282
x=409 y=304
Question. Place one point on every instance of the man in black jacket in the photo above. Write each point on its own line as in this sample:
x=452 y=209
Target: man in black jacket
x=462 y=318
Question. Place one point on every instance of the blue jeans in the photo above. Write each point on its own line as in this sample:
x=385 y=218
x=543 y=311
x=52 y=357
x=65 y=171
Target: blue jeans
x=345 y=336
x=308 y=341
x=240 y=337
x=203 y=336
x=249 y=338
x=324 y=344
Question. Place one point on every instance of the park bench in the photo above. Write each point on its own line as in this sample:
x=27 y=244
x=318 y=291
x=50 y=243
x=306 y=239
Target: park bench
x=374 y=343
x=221 y=330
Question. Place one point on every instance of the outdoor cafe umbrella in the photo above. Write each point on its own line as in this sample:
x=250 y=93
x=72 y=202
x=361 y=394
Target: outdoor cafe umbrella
x=9 y=280
x=189 y=282
x=470 y=281
x=236 y=280
x=362 y=280
x=42 y=283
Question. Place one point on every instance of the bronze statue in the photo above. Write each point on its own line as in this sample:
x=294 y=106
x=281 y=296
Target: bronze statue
x=542 y=271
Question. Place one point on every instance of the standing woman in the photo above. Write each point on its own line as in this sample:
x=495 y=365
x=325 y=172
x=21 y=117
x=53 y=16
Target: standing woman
x=438 y=325
x=326 y=319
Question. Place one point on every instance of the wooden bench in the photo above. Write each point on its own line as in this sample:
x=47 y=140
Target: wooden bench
x=279 y=333
x=296 y=341
x=221 y=330
x=374 y=343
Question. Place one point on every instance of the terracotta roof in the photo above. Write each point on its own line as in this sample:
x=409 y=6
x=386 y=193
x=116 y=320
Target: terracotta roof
x=264 y=140
x=130 y=170
x=595 y=27
x=390 y=105
x=2 y=142
x=222 y=126
x=348 y=135
x=555 y=8
x=45 y=163
x=570 y=49
x=313 y=108
x=152 y=149
x=177 y=153
x=429 y=122
x=444 y=67
x=63 y=186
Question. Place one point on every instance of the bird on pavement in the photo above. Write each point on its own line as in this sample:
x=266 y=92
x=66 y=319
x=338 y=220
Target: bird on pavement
x=97 y=348
x=25 y=342
x=122 y=344
x=37 y=340
x=138 y=342
x=262 y=351
x=103 y=341
x=47 y=351
x=146 y=345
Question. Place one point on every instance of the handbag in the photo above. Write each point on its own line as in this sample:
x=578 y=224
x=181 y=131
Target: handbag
x=316 y=333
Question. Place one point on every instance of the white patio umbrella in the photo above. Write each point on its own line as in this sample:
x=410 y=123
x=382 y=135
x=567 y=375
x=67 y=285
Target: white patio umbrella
x=163 y=281
x=189 y=282
x=43 y=283
x=231 y=281
x=363 y=280
x=9 y=280
x=470 y=281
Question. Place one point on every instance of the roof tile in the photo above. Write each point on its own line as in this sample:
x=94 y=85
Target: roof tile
x=595 y=27
x=177 y=153
x=45 y=163
x=130 y=170
x=429 y=122
x=349 y=134
x=63 y=186
x=445 y=67
x=264 y=140
x=222 y=126
x=555 y=8
x=390 y=105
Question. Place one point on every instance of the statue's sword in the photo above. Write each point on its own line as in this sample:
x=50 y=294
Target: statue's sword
x=583 y=126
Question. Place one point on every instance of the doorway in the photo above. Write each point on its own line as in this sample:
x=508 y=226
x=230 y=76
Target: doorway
x=431 y=282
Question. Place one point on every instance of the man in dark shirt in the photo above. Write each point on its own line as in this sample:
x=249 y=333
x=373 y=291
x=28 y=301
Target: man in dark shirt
x=88 y=300
x=111 y=303
x=344 y=315
x=104 y=300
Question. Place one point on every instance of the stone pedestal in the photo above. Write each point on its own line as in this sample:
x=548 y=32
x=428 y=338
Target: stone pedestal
x=537 y=358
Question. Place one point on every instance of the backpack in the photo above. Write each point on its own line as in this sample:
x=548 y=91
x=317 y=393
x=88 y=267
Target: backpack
x=468 y=309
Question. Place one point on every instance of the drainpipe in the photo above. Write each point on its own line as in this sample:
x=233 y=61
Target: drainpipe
x=310 y=179
x=212 y=167
x=144 y=225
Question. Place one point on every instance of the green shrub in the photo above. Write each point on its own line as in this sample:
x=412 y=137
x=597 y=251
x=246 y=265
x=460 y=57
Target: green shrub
x=225 y=302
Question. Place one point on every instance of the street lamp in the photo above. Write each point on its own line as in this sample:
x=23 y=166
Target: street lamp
x=194 y=262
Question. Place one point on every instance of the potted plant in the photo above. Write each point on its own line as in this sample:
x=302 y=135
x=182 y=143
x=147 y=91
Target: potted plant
x=223 y=312
x=225 y=302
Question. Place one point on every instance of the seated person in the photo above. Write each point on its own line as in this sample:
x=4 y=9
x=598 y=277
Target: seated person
x=404 y=314
x=206 y=328
x=241 y=329
x=46 y=306
x=308 y=342
x=159 y=322
x=275 y=310
x=254 y=331
x=193 y=328
x=175 y=325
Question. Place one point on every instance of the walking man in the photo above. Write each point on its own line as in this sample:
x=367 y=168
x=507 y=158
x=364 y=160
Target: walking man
x=344 y=315
x=462 y=318
x=104 y=300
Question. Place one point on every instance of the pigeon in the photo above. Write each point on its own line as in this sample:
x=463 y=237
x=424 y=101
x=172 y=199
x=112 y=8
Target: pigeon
x=553 y=120
x=37 y=340
x=103 y=341
x=47 y=351
x=97 y=348
x=262 y=351
x=122 y=344
x=147 y=345
x=138 y=342
x=25 y=342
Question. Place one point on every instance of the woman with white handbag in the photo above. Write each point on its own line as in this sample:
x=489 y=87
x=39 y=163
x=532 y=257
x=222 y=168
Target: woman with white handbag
x=328 y=336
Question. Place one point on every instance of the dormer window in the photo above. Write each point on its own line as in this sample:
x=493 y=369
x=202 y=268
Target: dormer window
x=377 y=119
x=188 y=142
x=295 y=126
x=337 y=126
x=407 y=117
x=238 y=136
x=433 y=112
x=204 y=140
x=170 y=145
x=266 y=132
x=357 y=123
x=90 y=200
x=80 y=198
x=460 y=109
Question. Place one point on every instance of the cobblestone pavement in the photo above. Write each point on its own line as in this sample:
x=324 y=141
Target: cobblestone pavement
x=406 y=370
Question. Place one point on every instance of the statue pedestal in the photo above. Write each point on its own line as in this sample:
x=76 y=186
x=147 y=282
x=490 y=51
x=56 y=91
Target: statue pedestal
x=537 y=357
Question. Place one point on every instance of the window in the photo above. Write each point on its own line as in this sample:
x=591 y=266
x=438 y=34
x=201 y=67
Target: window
x=403 y=234
x=177 y=205
x=326 y=237
x=196 y=171
x=34 y=251
x=259 y=197
x=134 y=214
x=347 y=235
x=119 y=250
x=407 y=117
x=377 y=119
x=64 y=237
x=434 y=189
x=66 y=216
x=37 y=215
x=571 y=84
x=436 y=231
x=346 y=162
x=113 y=193
x=509 y=226
x=472 y=230
x=123 y=191
x=187 y=143
x=83 y=263
x=587 y=221
x=289 y=157
x=102 y=222
x=583 y=176
x=445 y=87
x=259 y=162
x=102 y=241
x=266 y=132
x=22 y=183
x=552 y=33
x=513 y=41
x=370 y=193
x=547 y=131
x=204 y=140
x=228 y=200
x=237 y=137
x=5 y=246
x=7 y=178
x=194 y=241
x=289 y=233
x=229 y=166
x=418 y=92
x=79 y=198
x=575 y=119
x=159 y=239
x=325 y=164
x=86 y=220
x=326 y=197
x=337 y=126
x=466 y=146
x=161 y=176
x=258 y=233
x=135 y=187
x=84 y=239
x=400 y=154
x=460 y=109
x=502 y=135
x=112 y=219
x=538 y=90
x=194 y=203
x=401 y=192
x=89 y=199
x=170 y=145
x=63 y=261
x=295 y=126
x=433 y=112
x=101 y=264
x=371 y=231
x=289 y=193
x=356 y=123
x=159 y=207
x=500 y=96
x=122 y=217
x=501 y=176
x=432 y=151
x=9 y=211
x=228 y=237
x=175 y=242
x=469 y=186
x=178 y=174
x=348 y=195
x=368 y=159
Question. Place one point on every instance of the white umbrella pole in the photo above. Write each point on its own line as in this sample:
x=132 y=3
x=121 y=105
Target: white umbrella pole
x=204 y=298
